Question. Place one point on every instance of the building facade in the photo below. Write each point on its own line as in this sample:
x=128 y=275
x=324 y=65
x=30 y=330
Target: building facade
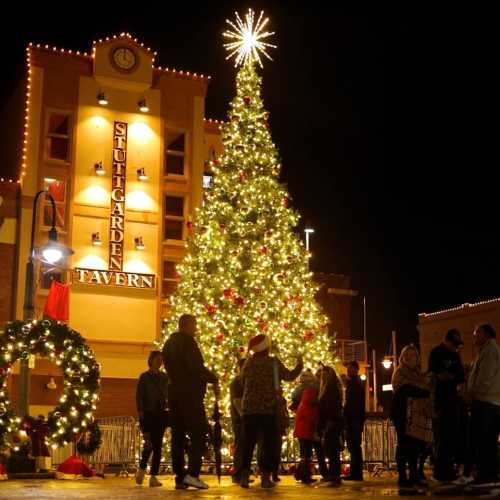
x=432 y=327
x=121 y=146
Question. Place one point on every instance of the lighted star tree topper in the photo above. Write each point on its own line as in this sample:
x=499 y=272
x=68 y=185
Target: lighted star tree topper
x=246 y=271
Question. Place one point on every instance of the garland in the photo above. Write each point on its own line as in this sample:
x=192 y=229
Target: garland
x=73 y=416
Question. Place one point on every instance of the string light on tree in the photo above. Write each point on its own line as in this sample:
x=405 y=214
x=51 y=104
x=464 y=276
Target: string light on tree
x=246 y=270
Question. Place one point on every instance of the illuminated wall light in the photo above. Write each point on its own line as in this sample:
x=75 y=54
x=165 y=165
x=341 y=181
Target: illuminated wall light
x=143 y=106
x=49 y=180
x=139 y=244
x=96 y=239
x=102 y=99
x=141 y=174
x=99 y=169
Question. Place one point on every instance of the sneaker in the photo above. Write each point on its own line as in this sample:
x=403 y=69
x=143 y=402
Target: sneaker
x=153 y=482
x=139 y=477
x=181 y=486
x=195 y=482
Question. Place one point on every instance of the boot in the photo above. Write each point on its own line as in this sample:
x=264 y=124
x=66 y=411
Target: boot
x=276 y=478
x=245 y=480
x=265 y=480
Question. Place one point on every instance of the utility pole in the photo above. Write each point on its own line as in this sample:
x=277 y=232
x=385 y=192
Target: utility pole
x=375 y=398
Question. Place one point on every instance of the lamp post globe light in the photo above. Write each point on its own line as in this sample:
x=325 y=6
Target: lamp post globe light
x=52 y=253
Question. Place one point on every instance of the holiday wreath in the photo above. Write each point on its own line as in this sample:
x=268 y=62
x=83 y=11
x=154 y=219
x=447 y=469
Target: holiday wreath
x=73 y=417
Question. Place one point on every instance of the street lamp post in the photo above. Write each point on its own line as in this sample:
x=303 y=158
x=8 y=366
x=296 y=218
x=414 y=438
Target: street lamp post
x=52 y=253
x=308 y=231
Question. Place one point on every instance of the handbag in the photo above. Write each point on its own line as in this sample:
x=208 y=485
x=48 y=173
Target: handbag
x=282 y=416
x=419 y=419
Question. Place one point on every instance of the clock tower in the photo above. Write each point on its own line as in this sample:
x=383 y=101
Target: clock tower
x=122 y=62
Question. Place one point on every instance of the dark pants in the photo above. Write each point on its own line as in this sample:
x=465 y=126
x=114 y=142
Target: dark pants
x=408 y=450
x=152 y=428
x=194 y=425
x=445 y=441
x=320 y=457
x=354 y=432
x=260 y=428
x=238 y=447
x=275 y=450
x=332 y=436
x=484 y=422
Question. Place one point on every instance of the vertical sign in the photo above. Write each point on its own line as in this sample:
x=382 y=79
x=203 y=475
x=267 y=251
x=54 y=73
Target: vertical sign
x=117 y=216
x=115 y=276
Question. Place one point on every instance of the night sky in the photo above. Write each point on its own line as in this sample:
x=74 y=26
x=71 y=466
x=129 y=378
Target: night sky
x=382 y=119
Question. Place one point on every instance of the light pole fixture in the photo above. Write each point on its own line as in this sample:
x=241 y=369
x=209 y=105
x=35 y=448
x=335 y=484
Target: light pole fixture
x=52 y=252
x=387 y=363
x=308 y=231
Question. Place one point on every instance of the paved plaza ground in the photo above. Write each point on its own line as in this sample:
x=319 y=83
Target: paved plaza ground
x=118 y=488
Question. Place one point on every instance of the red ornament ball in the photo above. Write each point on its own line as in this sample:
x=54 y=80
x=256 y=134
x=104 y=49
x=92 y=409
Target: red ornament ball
x=220 y=337
x=228 y=292
x=239 y=301
x=243 y=175
x=308 y=335
x=210 y=308
x=286 y=201
x=286 y=326
x=263 y=249
x=222 y=226
x=247 y=100
x=189 y=225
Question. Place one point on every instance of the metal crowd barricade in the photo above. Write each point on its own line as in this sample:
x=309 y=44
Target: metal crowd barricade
x=121 y=445
x=379 y=444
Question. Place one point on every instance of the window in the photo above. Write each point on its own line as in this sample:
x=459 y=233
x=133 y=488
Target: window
x=58 y=136
x=57 y=188
x=176 y=149
x=170 y=279
x=174 y=217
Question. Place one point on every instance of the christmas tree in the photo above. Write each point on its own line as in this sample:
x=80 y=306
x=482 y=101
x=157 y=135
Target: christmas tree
x=246 y=271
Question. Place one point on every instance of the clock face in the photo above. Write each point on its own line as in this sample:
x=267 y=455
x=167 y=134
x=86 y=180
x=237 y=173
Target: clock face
x=124 y=59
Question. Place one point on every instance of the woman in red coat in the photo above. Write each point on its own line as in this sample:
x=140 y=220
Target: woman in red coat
x=306 y=423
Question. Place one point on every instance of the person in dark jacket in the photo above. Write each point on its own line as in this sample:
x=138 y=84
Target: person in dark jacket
x=407 y=382
x=151 y=401
x=236 y=395
x=446 y=367
x=354 y=418
x=188 y=378
x=331 y=421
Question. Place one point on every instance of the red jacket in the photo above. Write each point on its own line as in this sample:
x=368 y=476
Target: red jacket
x=307 y=417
